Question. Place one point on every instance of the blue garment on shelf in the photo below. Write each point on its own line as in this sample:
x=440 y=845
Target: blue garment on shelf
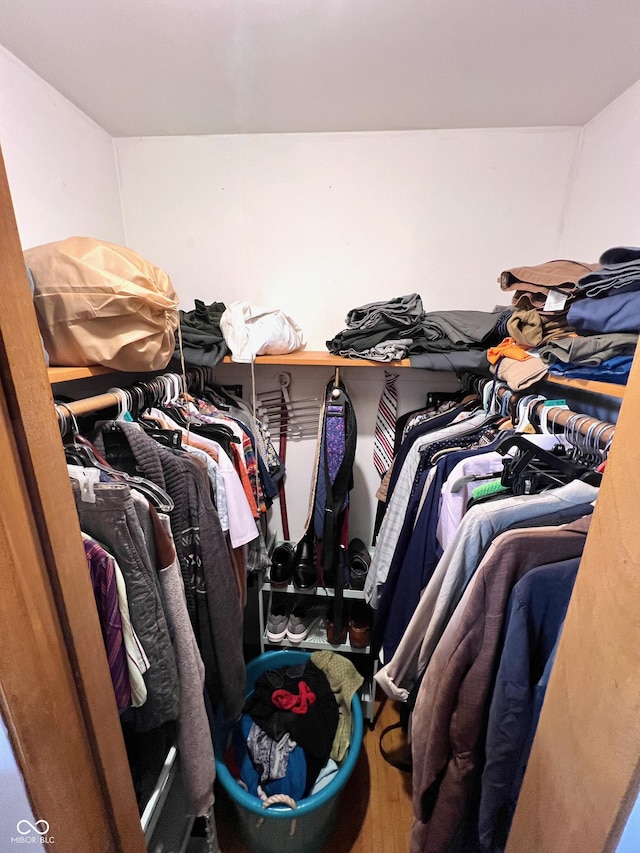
x=614 y=369
x=617 y=313
x=620 y=273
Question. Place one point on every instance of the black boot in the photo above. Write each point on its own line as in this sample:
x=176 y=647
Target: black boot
x=305 y=575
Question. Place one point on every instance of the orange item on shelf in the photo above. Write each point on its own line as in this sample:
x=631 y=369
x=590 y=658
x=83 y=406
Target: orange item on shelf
x=509 y=349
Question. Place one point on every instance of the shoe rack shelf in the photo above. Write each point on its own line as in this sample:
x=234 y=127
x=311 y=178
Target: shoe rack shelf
x=320 y=592
x=316 y=640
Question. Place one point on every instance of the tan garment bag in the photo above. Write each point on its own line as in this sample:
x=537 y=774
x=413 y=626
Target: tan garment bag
x=98 y=303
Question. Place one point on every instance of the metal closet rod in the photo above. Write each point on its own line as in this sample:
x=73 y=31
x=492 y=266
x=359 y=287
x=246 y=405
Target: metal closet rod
x=560 y=417
x=86 y=405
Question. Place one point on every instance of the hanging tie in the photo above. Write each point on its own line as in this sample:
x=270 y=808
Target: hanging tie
x=331 y=455
x=385 y=430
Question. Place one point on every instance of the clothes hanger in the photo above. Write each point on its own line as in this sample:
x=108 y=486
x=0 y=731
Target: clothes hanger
x=532 y=469
x=219 y=432
x=154 y=493
x=586 y=446
x=84 y=453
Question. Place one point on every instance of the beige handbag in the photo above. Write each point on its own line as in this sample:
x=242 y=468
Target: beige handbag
x=98 y=303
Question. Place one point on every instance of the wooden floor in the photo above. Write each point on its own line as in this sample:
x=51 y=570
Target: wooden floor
x=375 y=806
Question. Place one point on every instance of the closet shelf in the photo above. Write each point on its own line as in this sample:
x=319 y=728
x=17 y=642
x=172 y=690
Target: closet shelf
x=319 y=592
x=590 y=385
x=68 y=374
x=317 y=641
x=311 y=358
x=303 y=358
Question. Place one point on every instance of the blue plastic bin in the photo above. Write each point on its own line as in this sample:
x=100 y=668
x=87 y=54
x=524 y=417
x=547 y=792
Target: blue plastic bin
x=280 y=829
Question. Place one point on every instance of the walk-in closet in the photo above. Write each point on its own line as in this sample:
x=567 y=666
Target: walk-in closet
x=319 y=400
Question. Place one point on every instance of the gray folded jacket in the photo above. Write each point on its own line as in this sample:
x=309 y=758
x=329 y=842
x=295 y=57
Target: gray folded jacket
x=620 y=272
x=591 y=349
x=385 y=351
x=473 y=360
x=458 y=329
x=399 y=311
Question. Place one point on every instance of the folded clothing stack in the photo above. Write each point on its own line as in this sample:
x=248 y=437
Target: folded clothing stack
x=203 y=343
x=588 y=350
x=539 y=296
x=399 y=327
x=571 y=319
x=619 y=272
x=514 y=365
x=605 y=307
x=380 y=331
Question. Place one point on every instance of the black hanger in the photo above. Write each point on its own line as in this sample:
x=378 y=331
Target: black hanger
x=533 y=469
x=220 y=396
x=221 y=433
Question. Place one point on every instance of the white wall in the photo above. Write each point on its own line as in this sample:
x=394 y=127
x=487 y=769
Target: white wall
x=604 y=206
x=60 y=164
x=319 y=223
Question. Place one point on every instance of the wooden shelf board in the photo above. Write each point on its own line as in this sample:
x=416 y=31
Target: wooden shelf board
x=319 y=592
x=316 y=642
x=68 y=374
x=590 y=385
x=311 y=358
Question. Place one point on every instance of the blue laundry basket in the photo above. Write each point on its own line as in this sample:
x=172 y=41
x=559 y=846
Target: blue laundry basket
x=280 y=829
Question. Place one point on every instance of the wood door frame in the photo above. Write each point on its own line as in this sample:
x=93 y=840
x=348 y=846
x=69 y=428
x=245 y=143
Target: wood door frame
x=49 y=598
x=583 y=773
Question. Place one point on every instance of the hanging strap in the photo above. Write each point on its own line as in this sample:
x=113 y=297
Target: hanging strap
x=338 y=406
x=282 y=453
x=407 y=765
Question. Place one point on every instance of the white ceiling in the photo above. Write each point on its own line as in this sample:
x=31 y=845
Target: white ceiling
x=157 y=67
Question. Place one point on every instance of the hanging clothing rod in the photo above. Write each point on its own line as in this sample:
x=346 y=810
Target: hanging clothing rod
x=89 y=404
x=558 y=416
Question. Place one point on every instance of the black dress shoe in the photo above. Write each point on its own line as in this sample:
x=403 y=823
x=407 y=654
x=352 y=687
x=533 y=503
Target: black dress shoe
x=359 y=562
x=282 y=561
x=305 y=575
